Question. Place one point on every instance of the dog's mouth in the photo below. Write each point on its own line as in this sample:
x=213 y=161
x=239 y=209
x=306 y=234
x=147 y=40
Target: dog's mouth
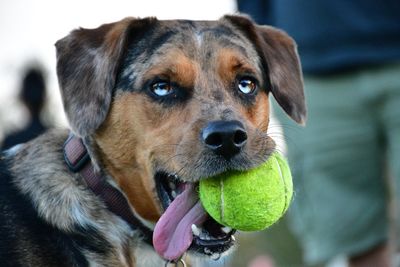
x=185 y=225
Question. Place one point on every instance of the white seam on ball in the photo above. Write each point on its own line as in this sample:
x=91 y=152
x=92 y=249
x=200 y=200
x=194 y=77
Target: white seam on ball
x=222 y=199
x=284 y=183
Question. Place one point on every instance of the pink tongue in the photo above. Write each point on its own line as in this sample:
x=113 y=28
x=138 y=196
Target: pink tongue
x=172 y=234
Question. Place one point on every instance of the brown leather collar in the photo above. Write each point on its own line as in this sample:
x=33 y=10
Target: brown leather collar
x=78 y=161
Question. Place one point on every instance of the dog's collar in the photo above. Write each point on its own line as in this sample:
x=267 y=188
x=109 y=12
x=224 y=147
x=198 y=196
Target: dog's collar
x=78 y=161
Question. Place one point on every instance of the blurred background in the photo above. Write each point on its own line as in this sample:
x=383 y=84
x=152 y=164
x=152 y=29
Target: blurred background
x=29 y=29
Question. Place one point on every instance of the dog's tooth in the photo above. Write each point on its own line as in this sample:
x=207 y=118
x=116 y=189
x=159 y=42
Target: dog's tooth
x=201 y=236
x=207 y=251
x=173 y=194
x=215 y=256
x=195 y=230
x=204 y=236
x=173 y=176
x=233 y=238
x=226 y=229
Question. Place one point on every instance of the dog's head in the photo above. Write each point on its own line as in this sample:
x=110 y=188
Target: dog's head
x=168 y=103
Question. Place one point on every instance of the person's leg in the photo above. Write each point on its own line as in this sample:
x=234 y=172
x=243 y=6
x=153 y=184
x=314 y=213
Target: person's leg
x=339 y=204
x=390 y=119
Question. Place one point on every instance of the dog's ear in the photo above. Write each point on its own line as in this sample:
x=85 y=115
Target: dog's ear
x=278 y=53
x=88 y=62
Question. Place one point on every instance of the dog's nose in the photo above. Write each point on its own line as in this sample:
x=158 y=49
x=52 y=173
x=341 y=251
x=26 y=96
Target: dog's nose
x=224 y=138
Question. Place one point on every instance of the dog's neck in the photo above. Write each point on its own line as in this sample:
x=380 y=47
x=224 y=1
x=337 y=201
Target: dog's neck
x=78 y=161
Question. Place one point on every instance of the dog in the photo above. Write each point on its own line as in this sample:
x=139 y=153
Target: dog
x=153 y=106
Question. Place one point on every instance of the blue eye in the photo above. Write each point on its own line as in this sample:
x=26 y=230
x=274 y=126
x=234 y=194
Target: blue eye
x=162 y=88
x=246 y=86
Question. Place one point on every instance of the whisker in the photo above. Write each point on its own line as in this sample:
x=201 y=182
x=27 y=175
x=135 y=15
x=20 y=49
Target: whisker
x=172 y=157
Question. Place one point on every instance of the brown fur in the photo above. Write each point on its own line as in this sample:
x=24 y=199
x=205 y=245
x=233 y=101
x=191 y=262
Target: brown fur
x=230 y=63
x=130 y=167
x=177 y=67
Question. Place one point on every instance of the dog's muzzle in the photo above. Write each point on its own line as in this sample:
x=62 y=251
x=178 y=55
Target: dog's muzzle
x=185 y=225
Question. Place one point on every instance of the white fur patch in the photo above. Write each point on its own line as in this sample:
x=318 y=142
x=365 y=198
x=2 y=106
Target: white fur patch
x=147 y=257
x=13 y=150
x=199 y=38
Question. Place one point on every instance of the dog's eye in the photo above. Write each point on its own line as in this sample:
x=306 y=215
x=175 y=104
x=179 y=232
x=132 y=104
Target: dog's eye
x=162 y=88
x=246 y=86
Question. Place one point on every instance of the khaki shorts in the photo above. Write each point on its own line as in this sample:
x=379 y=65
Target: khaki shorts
x=340 y=161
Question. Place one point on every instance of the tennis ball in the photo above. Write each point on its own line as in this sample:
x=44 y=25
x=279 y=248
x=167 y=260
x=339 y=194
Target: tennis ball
x=249 y=200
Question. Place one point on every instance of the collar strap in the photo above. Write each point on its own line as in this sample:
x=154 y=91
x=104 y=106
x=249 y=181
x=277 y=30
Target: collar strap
x=78 y=161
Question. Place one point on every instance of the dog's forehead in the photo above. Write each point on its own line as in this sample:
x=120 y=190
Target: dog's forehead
x=199 y=42
x=198 y=37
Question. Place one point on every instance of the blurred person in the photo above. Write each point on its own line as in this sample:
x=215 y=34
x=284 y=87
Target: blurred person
x=350 y=52
x=33 y=97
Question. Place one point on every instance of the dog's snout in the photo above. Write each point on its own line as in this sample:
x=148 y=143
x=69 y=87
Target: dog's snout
x=225 y=138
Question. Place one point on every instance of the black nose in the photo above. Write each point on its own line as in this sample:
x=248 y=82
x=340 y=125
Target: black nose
x=224 y=138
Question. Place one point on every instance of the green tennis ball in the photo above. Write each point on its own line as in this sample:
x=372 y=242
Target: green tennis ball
x=252 y=200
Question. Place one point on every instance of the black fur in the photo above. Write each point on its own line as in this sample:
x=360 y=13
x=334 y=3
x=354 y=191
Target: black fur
x=27 y=240
x=25 y=237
